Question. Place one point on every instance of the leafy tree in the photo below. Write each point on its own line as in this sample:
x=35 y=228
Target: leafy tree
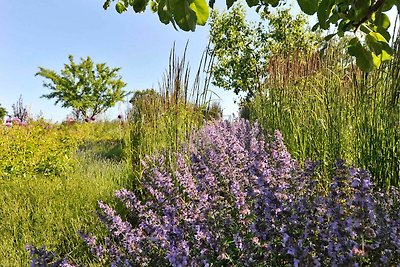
x=242 y=49
x=354 y=16
x=3 y=112
x=20 y=111
x=87 y=88
x=234 y=45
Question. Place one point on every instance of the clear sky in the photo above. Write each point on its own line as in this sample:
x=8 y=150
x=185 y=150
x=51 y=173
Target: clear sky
x=43 y=33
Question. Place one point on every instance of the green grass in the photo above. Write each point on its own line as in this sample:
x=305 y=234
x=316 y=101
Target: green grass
x=49 y=211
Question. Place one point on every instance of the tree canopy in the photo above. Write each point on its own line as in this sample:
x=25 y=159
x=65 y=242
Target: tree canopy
x=242 y=49
x=87 y=88
x=365 y=19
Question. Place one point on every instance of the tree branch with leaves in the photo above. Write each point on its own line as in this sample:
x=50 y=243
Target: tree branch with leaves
x=365 y=19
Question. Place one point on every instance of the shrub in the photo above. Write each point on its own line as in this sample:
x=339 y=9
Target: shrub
x=37 y=149
x=232 y=199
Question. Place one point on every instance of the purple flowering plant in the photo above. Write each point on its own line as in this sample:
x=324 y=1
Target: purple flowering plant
x=233 y=197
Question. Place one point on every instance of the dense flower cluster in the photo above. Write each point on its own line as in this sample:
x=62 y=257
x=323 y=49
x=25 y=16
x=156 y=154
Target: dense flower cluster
x=15 y=121
x=40 y=257
x=233 y=197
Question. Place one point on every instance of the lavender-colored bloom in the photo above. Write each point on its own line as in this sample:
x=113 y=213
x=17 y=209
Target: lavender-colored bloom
x=232 y=199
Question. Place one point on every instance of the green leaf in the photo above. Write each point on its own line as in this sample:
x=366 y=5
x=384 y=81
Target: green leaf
x=384 y=33
x=376 y=60
x=344 y=25
x=378 y=36
x=334 y=18
x=184 y=16
x=163 y=12
x=365 y=29
x=364 y=58
x=106 y=4
x=252 y=3
x=373 y=43
x=388 y=5
x=324 y=10
x=383 y=21
x=202 y=11
x=229 y=3
x=139 y=5
x=273 y=3
x=315 y=27
x=385 y=56
x=359 y=9
x=153 y=6
x=120 y=7
x=308 y=6
x=330 y=36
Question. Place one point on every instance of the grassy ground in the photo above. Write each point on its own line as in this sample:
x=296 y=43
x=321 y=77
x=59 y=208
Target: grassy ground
x=49 y=210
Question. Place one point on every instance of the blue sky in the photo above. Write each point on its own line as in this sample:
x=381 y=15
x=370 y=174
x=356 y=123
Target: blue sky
x=43 y=33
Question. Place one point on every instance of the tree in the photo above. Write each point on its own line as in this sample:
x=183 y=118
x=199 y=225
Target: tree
x=88 y=88
x=3 y=112
x=234 y=45
x=242 y=49
x=365 y=17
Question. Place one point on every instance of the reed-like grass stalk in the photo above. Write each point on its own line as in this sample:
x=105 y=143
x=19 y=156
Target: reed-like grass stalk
x=327 y=109
x=163 y=119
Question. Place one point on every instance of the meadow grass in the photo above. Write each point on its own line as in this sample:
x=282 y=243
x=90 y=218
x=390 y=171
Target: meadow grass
x=49 y=210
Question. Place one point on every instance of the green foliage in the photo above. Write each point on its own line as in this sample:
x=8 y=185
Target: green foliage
x=242 y=49
x=184 y=13
x=309 y=6
x=43 y=208
x=349 y=16
x=36 y=149
x=327 y=109
x=3 y=112
x=86 y=87
x=237 y=51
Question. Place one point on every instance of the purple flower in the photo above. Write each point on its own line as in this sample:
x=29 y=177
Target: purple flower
x=228 y=197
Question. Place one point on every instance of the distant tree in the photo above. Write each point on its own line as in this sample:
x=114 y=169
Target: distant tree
x=242 y=49
x=3 y=113
x=88 y=88
x=20 y=111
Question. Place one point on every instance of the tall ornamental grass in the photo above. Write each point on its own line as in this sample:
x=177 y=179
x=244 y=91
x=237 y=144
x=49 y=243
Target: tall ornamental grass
x=162 y=119
x=327 y=109
x=233 y=199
